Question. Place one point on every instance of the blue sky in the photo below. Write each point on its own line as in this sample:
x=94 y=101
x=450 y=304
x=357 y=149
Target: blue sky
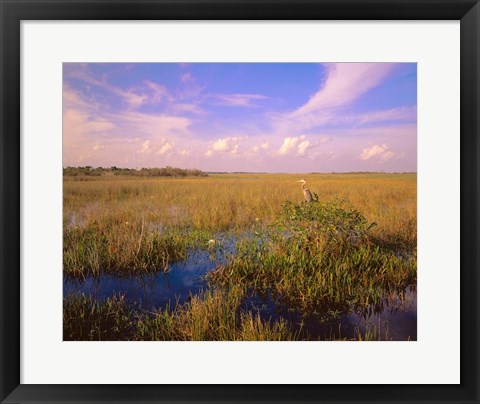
x=269 y=117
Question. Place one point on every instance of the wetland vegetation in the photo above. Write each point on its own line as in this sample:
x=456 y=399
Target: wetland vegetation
x=239 y=257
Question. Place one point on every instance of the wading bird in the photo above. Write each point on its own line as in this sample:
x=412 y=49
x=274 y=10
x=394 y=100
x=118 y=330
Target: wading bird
x=306 y=192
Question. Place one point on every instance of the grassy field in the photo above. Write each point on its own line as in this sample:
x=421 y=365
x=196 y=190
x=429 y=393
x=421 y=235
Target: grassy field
x=349 y=250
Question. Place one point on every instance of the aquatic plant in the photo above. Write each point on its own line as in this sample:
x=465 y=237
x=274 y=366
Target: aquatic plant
x=214 y=315
x=318 y=259
x=321 y=259
x=124 y=248
x=86 y=319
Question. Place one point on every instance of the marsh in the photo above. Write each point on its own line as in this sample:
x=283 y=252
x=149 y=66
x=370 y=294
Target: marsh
x=161 y=258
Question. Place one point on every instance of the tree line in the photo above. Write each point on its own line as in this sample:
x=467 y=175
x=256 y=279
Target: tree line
x=143 y=172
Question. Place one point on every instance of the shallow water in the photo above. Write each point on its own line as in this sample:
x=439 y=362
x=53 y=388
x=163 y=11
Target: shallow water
x=155 y=290
x=395 y=318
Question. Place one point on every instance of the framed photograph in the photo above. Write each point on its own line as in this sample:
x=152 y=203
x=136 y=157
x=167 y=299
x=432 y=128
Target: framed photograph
x=239 y=201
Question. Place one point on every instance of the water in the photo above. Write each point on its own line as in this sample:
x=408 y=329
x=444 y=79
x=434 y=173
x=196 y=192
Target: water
x=155 y=290
x=395 y=318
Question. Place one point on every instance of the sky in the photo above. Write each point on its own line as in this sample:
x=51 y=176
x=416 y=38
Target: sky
x=252 y=117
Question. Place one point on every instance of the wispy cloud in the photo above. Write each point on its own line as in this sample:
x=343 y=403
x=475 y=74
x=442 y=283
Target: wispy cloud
x=146 y=92
x=157 y=93
x=237 y=100
x=191 y=108
x=404 y=114
x=344 y=84
x=187 y=77
x=170 y=114
x=87 y=128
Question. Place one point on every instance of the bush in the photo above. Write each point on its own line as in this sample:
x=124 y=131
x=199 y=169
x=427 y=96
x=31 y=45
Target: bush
x=306 y=220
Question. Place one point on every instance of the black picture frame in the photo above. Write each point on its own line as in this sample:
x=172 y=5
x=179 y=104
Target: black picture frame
x=14 y=11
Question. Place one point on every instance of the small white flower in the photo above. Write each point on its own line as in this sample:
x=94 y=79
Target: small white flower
x=211 y=243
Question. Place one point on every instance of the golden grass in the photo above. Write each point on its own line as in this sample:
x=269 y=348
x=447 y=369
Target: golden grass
x=230 y=201
x=133 y=225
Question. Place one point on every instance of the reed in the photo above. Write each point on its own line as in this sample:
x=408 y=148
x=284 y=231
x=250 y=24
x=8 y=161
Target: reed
x=319 y=258
x=213 y=316
x=348 y=251
x=85 y=319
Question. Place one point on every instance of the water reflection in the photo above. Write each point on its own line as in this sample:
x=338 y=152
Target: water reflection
x=159 y=289
x=394 y=317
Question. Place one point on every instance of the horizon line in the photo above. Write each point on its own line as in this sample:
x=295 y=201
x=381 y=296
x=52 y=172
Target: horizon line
x=245 y=172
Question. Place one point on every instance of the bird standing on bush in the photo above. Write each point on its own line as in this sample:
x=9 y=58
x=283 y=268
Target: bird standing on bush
x=306 y=192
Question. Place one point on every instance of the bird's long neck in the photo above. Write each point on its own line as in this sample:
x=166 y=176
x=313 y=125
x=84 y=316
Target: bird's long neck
x=303 y=185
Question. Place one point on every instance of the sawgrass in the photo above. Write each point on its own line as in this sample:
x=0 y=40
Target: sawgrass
x=228 y=201
x=348 y=251
x=319 y=258
x=214 y=316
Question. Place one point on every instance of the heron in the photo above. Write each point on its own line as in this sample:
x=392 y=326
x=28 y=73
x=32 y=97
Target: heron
x=306 y=192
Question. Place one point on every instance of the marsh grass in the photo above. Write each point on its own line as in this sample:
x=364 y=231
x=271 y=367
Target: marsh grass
x=318 y=258
x=124 y=249
x=131 y=225
x=322 y=259
x=373 y=332
x=85 y=319
x=378 y=331
x=234 y=201
x=211 y=316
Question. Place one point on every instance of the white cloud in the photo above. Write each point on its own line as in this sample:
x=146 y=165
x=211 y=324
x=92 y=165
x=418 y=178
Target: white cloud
x=221 y=144
x=226 y=145
x=300 y=144
x=145 y=147
x=124 y=135
x=256 y=149
x=302 y=147
x=164 y=148
x=290 y=143
x=370 y=152
x=381 y=152
x=387 y=156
